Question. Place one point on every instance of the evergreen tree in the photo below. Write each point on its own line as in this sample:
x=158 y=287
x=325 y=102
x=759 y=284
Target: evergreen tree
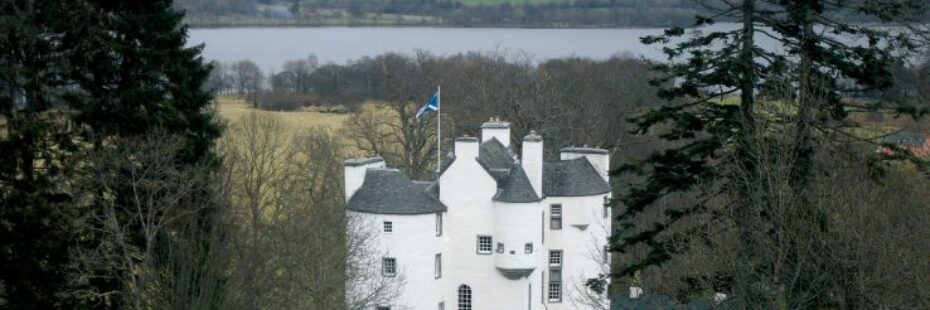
x=75 y=75
x=714 y=138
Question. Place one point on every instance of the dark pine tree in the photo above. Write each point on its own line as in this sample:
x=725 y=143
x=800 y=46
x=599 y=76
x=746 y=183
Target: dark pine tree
x=713 y=138
x=74 y=75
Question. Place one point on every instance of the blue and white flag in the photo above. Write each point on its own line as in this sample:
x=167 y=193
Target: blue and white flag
x=431 y=105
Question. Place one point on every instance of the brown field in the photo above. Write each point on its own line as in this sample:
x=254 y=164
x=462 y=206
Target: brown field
x=233 y=109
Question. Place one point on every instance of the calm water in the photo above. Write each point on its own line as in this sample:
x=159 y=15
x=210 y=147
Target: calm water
x=271 y=47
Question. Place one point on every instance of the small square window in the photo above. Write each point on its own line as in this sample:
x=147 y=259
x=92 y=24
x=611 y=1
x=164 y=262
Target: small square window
x=388 y=267
x=484 y=244
x=500 y=247
x=528 y=248
x=388 y=226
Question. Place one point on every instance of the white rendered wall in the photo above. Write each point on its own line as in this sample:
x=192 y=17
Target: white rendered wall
x=355 y=176
x=502 y=135
x=414 y=245
x=582 y=250
x=532 y=163
x=512 y=228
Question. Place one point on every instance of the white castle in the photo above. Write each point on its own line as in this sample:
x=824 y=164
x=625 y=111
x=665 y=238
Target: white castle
x=492 y=230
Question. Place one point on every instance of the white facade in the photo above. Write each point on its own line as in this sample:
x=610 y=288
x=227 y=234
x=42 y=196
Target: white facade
x=516 y=273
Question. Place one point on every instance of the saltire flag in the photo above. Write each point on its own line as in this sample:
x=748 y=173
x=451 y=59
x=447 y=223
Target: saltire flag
x=431 y=105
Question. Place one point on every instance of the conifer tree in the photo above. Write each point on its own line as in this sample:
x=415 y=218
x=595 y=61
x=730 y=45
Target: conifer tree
x=75 y=75
x=705 y=70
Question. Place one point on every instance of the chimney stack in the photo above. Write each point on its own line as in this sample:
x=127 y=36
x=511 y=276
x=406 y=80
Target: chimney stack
x=495 y=128
x=466 y=147
x=355 y=172
x=532 y=160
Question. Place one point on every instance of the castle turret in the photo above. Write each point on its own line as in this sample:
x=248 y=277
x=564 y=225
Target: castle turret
x=495 y=128
x=355 y=172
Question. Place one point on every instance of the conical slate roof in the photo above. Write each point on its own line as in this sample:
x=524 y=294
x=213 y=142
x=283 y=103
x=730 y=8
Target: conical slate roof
x=389 y=191
x=569 y=178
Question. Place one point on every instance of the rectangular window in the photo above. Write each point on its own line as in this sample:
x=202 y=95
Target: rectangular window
x=500 y=247
x=388 y=267
x=555 y=292
x=388 y=226
x=606 y=254
x=442 y=305
x=555 y=216
x=438 y=224
x=437 y=266
x=484 y=244
x=528 y=248
x=555 y=258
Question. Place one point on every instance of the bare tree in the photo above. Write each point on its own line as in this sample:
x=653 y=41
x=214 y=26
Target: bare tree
x=248 y=80
x=294 y=246
x=147 y=203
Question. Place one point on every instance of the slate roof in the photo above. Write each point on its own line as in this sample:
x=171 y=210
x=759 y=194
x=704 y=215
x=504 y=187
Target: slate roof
x=906 y=139
x=516 y=188
x=389 y=191
x=501 y=163
x=569 y=178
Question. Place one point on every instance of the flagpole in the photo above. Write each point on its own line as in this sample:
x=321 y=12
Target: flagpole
x=439 y=128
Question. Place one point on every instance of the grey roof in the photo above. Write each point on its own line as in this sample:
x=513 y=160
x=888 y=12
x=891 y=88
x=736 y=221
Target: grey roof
x=907 y=139
x=501 y=163
x=576 y=177
x=516 y=188
x=362 y=161
x=584 y=150
x=389 y=191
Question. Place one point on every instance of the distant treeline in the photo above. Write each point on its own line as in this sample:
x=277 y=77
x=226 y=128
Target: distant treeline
x=572 y=100
x=581 y=13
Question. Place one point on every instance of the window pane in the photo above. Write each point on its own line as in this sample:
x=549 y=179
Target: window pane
x=388 y=266
x=388 y=227
x=528 y=248
x=555 y=257
x=464 y=297
x=484 y=244
x=439 y=224
x=555 y=291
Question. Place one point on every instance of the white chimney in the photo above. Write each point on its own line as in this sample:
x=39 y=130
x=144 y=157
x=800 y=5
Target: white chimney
x=466 y=147
x=495 y=128
x=599 y=158
x=532 y=160
x=355 y=172
x=635 y=292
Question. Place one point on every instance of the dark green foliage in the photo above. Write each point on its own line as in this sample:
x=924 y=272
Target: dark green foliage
x=72 y=75
x=714 y=138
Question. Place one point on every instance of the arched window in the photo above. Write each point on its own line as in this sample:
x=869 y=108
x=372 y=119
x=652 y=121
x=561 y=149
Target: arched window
x=464 y=297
